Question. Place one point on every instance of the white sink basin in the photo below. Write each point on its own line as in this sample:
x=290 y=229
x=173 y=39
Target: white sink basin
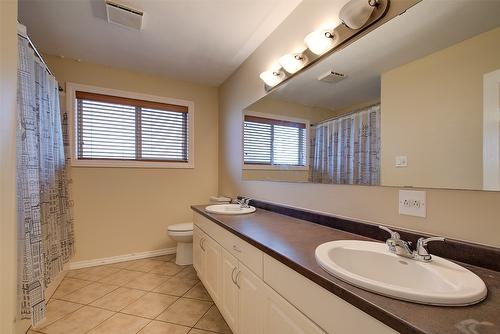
x=229 y=209
x=370 y=266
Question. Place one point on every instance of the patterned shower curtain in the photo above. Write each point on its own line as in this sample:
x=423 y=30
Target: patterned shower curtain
x=346 y=150
x=45 y=223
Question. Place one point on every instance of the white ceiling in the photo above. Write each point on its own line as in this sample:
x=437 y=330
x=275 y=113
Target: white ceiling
x=201 y=41
x=425 y=28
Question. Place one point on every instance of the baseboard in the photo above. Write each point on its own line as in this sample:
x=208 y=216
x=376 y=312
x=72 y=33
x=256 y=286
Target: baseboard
x=120 y=258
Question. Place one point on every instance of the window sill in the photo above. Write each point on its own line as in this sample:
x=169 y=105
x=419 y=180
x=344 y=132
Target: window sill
x=274 y=167
x=132 y=164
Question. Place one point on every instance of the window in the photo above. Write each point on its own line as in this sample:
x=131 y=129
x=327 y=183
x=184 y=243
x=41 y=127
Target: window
x=274 y=142
x=119 y=131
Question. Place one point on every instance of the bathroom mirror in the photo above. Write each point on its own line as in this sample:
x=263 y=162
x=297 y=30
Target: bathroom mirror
x=415 y=102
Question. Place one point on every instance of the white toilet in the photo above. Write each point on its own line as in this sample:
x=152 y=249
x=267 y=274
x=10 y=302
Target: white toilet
x=183 y=234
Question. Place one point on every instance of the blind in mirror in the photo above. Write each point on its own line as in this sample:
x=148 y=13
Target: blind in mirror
x=117 y=128
x=273 y=142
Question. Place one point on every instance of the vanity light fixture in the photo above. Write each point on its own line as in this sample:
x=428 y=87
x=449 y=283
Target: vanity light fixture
x=321 y=41
x=293 y=62
x=273 y=76
x=356 y=13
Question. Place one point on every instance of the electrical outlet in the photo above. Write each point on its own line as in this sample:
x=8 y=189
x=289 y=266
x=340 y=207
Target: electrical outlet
x=412 y=203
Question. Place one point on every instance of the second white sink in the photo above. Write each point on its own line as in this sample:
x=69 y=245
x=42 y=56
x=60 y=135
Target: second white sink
x=229 y=209
x=370 y=266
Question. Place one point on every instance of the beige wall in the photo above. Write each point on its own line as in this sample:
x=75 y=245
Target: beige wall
x=8 y=88
x=466 y=215
x=432 y=112
x=125 y=210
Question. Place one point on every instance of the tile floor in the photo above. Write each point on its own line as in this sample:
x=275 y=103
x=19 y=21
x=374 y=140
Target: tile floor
x=149 y=296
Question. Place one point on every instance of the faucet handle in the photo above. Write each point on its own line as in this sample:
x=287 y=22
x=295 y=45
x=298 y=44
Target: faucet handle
x=394 y=235
x=421 y=251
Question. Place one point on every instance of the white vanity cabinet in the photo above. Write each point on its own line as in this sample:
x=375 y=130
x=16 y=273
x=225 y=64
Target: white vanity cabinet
x=229 y=298
x=198 y=250
x=232 y=272
x=258 y=295
x=206 y=261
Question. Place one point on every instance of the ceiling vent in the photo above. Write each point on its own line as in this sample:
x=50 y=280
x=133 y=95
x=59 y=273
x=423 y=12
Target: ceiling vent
x=332 y=77
x=124 y=16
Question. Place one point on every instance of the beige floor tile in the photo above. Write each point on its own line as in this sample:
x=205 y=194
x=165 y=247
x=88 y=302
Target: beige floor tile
x=166 y=268
x=168 y=257
x=158 y=327
x=213 y=321
x=69 y=285
x=76 y=272
x=121 y=277
x=150 y=305
x=78 y=322
x=118 y=299
x=147 y=281
x=176 y=286
x=121 y=324
x=199 y=331
x=188 y=272
x=185 y=312
x=122 y=265
x=89 y=293
x=57 y=309
x=93 y=273
x=144 y=265
x=198 y=292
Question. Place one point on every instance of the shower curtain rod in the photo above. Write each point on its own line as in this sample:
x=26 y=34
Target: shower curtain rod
x=21 y=31
x=347 y=113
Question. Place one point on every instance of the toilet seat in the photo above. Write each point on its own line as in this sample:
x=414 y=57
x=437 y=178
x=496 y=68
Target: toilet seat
x=179 y=228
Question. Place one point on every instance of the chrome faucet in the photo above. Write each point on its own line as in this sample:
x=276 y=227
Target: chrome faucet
x=396 y=244
x=422 y=254
x=402 y=248
x=244 y=202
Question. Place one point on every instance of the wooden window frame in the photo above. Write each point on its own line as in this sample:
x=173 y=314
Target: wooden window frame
x=278 y=120
x=153 y=101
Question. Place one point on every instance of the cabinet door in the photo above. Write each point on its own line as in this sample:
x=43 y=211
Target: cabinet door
x=198 y=251
x=251 y=301
x=212 y=267
x=280 y=317
x=229 y=296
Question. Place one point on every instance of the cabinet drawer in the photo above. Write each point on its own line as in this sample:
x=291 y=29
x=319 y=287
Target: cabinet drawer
x=242 y=250
x=330 y=312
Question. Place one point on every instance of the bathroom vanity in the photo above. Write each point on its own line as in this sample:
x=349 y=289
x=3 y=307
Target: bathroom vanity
x=261 y=272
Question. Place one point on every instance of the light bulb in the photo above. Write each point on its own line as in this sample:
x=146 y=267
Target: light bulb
x=272 y=77
x=293 y=62
x=356 y=13
x=320 y=41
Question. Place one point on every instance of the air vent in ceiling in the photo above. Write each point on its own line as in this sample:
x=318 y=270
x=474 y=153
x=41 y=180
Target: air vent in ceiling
x=332 y=77
x=124 y=16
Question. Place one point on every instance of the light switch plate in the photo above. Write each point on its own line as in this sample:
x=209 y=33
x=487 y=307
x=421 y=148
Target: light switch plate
x=412 y=203
x=401 y=161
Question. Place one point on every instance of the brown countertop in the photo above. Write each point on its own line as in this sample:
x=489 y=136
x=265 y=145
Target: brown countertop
x=293 y=241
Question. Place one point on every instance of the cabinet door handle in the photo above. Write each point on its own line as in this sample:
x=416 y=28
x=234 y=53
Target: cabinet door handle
x=236 y=279
x=236 y=249
x=202 y=242
x=232 y=276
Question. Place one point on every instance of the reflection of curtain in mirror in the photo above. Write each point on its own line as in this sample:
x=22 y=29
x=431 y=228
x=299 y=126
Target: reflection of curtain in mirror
x=346 y=150
x=45 y=223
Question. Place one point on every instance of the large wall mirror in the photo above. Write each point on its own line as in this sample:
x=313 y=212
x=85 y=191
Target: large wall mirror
x=415 y=102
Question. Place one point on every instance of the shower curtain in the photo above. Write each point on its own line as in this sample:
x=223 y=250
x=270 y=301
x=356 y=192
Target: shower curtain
x=346 y=150
x=45 y=223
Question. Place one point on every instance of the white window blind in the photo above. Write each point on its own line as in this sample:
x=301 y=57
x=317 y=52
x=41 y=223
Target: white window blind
x=273 y=142
x=117 y=128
